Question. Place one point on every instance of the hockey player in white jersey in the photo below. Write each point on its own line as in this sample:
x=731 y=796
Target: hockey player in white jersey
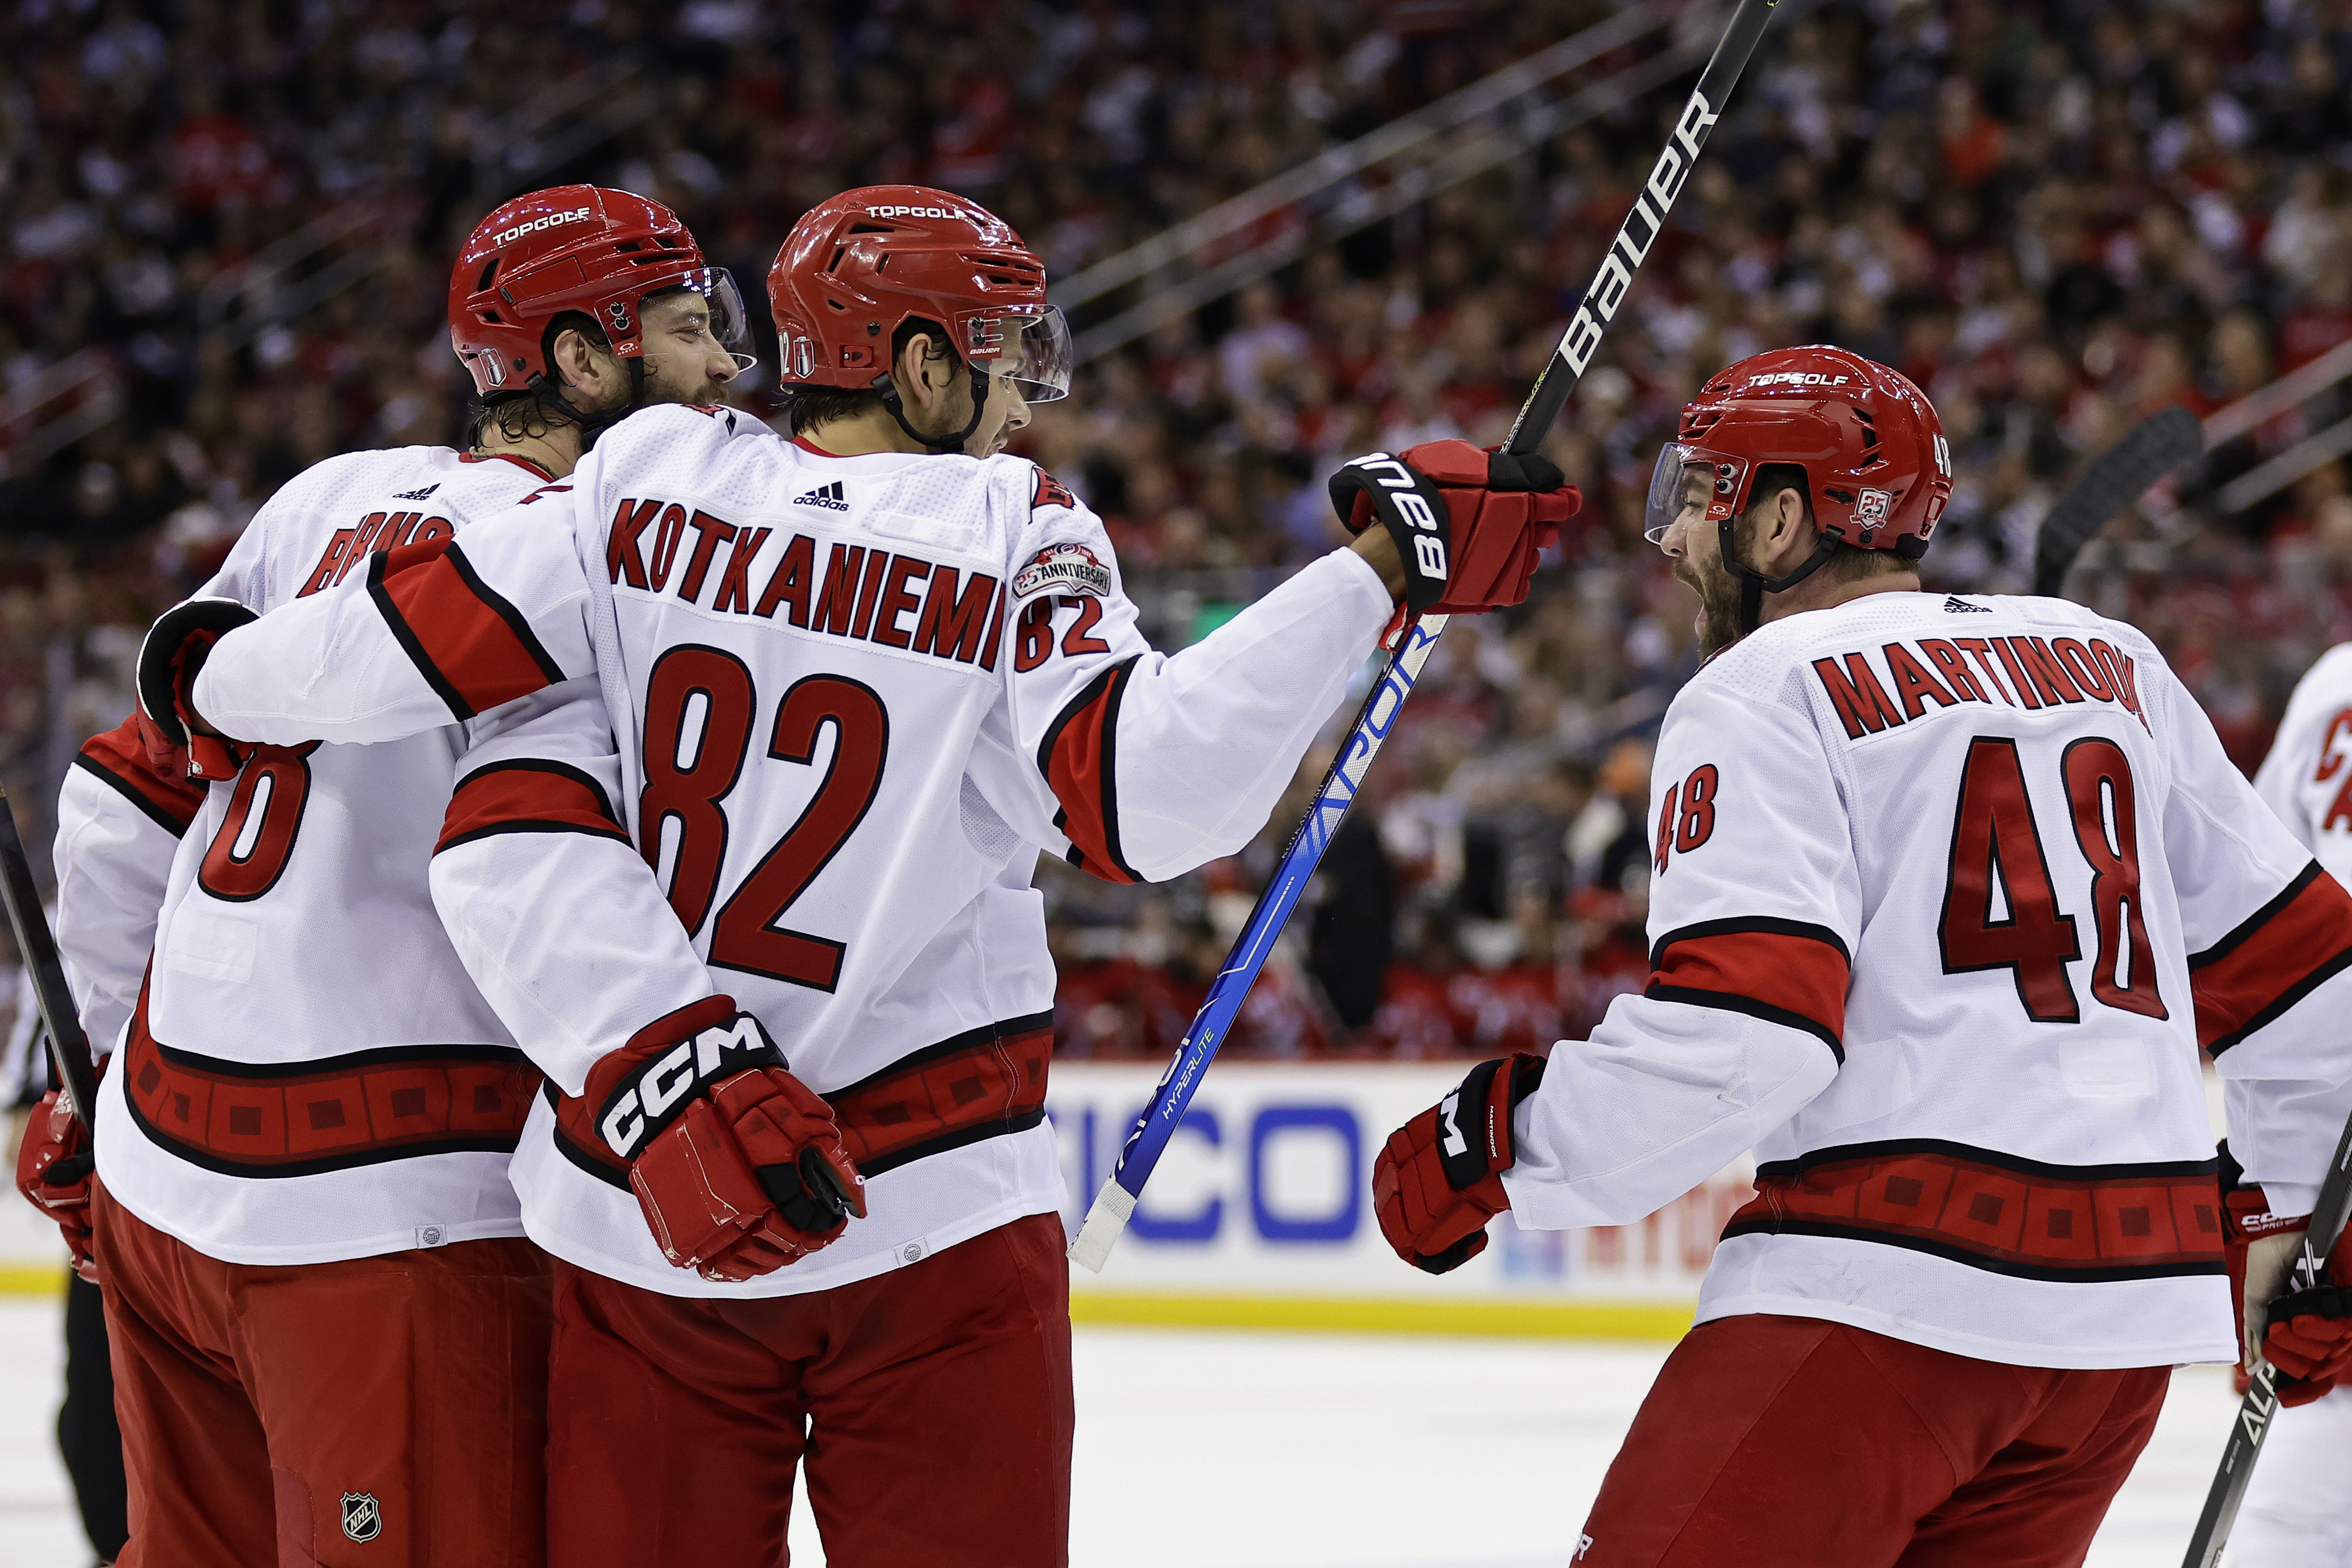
x=301 y=1208
x=859 y=678
x=1947 y=892
x=2298 y=1511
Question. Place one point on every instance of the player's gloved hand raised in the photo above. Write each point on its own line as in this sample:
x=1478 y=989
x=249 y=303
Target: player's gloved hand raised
x=175 y=650
x=53 y=1170
x=1469 y=522
x=1440 y=1178
x=737 y=1164
x=2307 y=1335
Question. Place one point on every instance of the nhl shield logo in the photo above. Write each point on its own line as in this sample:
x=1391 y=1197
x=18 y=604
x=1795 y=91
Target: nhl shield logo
x=363 y=1519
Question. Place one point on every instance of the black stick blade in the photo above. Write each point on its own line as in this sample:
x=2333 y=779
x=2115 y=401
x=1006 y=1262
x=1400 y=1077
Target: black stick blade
x=2113 y=480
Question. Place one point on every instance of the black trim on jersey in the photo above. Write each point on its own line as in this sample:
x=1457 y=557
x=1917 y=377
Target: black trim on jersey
x=410 y=643
x=1888 y=1147
x=941 y=1144
x=533 y=825
x=1003 y=1028
x=2284 y=1001
x=130 y=792
x=541 y=824
x=1772 y=924
x=349 y=1160
x=1726 y=1002
x=2253 y=923
x=350 y=1061
x=2094 y=1274
x=546 y=765
x=1115 y=679
x=507 y=612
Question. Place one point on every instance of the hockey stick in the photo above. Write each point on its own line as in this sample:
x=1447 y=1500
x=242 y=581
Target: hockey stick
x=2107 y=484
x=1116 y=1202
x=38 y=949
x=2261 y=1400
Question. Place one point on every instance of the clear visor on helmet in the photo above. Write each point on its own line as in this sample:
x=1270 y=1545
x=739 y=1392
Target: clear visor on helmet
x=1030 y=348
x=720 y=313
x=1691 y=486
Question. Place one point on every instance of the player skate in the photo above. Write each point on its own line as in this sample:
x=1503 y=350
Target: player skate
x=301 y=1207
x=1947 y=892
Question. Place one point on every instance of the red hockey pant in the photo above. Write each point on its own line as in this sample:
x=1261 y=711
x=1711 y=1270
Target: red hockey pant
x=1774 y=1442
x=254 y=1399
x=931 y=1406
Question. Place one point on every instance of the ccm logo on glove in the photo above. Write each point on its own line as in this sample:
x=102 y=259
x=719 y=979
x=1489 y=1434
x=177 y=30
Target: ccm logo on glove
x=653 y=1097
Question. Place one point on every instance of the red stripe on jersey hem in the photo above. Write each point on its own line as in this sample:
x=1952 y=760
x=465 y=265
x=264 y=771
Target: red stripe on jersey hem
x=1993 y=1212
x=119 y=759
x=528 y=796
x=984 y=1084
x=473 y=648
x=1784 y=971
x=2274 y=958
x=1079 y=760
x=243 y=1119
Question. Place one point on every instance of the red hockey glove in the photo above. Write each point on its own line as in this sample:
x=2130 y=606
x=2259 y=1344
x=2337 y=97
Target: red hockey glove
x=1440 y=1178
x=175 y=650
x=737 y=1164
x=53 y=1170
x=1468 y=522
x=2306 y=1333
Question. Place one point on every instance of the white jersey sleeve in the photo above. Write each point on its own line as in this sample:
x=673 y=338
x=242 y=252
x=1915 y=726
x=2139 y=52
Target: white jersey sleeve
x=119 y=824
x=532 y=831
x=1136 y=765
x=1756 y=907
x=2270 y=927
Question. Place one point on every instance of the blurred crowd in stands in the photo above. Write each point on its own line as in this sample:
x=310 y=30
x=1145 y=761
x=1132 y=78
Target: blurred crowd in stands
x=228 y=224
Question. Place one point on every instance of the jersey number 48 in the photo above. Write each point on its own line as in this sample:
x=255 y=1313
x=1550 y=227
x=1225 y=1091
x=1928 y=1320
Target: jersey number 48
x=1997 y=850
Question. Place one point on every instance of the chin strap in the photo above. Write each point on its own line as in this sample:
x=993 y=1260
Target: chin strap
x=891 y=401
x=594 y=424
x=1753 y=584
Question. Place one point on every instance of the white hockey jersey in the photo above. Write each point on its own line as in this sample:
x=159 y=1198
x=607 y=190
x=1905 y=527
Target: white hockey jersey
x=1946 y=894
x=306 y=1071
x=853 y=697
x=2304 y=779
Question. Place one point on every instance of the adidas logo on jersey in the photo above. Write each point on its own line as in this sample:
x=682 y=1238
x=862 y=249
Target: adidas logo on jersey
x=416 y=495
x=825 y=495
x=1954 y=606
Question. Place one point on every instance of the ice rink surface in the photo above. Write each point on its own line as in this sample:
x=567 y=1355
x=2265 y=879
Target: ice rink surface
x=1255 y=1450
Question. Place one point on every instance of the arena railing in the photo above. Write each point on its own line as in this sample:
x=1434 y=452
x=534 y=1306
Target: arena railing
x=2291 y=391
x=1381 y=173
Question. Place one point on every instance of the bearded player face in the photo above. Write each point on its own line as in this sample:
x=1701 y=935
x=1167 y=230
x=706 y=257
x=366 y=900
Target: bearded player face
x=1692 y=542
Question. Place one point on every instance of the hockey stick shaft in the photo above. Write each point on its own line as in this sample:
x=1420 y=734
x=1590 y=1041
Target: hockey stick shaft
x=1116 y=1202
x=38 y=949
x=2255 y=1410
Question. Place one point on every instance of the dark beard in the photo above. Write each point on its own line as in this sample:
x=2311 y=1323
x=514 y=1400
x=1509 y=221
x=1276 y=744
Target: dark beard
x=1718 y=607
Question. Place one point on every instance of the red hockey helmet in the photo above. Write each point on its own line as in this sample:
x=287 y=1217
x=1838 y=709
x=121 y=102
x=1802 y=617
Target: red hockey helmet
x=1877 y=470
x=573 y=247
x=860 y=265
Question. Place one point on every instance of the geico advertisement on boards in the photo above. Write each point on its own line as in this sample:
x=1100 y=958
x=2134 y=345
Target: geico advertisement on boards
x=1267 y=1186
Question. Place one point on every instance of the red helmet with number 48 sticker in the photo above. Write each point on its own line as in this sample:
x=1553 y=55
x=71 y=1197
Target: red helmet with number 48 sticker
x=1878 y=472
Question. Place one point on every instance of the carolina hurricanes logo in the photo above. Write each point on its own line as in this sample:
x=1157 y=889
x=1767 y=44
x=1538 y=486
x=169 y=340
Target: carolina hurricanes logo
x=1050 y=493
x=1071 y=568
